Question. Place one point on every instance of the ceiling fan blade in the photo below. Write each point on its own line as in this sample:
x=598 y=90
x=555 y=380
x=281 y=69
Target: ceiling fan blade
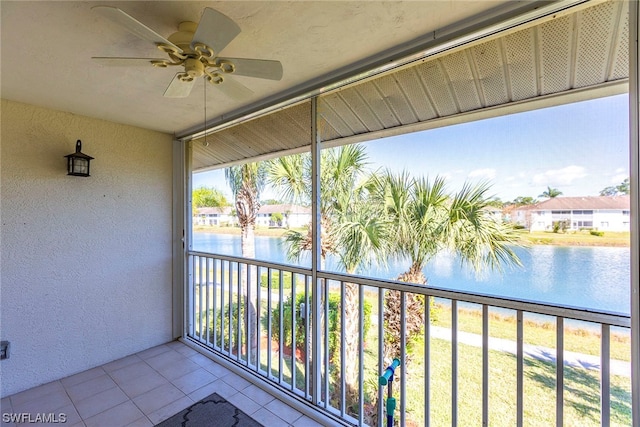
x=124 y=62
x=234 y=89
x=179 y=89
x=133 y=25
x=259 y=68
x=215 y=30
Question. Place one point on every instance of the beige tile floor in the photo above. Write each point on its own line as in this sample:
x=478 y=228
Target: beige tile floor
x=146 y=388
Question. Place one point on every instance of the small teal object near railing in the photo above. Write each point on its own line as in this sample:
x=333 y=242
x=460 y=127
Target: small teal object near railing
x=388 y=373
x=387 y=379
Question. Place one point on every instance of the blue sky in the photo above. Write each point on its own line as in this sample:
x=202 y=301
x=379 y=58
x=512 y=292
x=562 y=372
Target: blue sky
x=579 y=148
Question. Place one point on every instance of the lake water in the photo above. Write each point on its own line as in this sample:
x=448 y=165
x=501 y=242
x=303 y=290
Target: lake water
x=588 y=277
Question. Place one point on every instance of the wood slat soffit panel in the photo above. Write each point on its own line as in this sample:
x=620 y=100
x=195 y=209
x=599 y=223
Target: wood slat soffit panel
x=585 y=49
x=283 y=131
x=568 y=53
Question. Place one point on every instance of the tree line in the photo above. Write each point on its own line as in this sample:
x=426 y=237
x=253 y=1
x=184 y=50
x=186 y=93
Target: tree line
x=206 y=196
x=615 y=190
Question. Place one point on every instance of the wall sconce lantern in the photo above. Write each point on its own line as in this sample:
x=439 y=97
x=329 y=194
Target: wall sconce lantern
x=78 y=163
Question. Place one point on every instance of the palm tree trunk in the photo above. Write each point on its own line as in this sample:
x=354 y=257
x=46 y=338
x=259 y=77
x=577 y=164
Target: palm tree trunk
x=248 y=241
x=350 y=340
x=414 y=312
x=250 y=314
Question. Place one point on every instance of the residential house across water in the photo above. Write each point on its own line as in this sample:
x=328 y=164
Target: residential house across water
x=604 y=213
x=214 y=216
x=281 y=215
x=286 y=215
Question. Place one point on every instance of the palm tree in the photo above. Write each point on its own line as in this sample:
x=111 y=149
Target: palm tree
x=352 y=227
x=246 y=182
x=391 y=216
x=550 y=193
x=360 y=235
x=427 y=221
x=291 y=177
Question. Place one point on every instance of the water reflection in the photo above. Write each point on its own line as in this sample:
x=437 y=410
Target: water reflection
x=589 y=277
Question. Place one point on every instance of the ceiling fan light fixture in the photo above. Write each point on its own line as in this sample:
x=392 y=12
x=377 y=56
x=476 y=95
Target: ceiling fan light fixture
x=194 y=68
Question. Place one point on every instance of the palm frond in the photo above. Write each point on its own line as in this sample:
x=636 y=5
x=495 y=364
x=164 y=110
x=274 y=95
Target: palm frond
x=289 y=176
x=480 y=241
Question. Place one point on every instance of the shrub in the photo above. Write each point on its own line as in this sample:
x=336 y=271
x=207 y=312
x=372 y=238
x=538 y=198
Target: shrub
x=560 y=226
x=277 y=218
x=225 y=332
x=334 y=321
x=275 y=280
x=596 y=233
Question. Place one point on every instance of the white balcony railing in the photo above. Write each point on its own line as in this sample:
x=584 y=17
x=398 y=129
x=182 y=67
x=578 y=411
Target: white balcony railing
x=479 y=360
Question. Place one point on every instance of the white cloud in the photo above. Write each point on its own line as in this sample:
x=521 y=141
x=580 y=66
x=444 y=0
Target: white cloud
x=558 y=177
x=447 y=176
x=486 y=173
x=617 y=179
x=619 y=175
x=450 y=175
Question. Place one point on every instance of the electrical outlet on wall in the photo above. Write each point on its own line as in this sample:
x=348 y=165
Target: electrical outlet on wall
x=4 y=350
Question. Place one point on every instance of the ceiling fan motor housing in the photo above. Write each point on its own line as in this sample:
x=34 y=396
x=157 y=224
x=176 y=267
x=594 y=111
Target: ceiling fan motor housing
x=183 y=37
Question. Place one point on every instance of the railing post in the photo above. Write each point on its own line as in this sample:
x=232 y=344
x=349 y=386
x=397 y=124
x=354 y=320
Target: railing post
x=403 y=357
x=634 y=153
x=360 y=354
x=520 y=370
x=427 y=361
x=381 y=293
x=201 y=280
x=316 y=312
x=485 y=365
x=190 y=296
x=560 y=371
x=215 y=303
x=454 y=363
x=605 y=376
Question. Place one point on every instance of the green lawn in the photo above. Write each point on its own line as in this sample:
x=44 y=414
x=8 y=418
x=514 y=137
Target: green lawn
x=576 y=238
x=581 y=395
x=581 y=399
x=579 y=340
x=570 y=238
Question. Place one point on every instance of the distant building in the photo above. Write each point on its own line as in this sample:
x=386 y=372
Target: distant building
x=494 y=213
x=604 y=213
x=292 y=216
x=214 y=216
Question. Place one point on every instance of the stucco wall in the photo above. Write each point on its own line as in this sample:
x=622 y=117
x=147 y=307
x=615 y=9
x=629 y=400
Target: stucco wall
x=85 y=262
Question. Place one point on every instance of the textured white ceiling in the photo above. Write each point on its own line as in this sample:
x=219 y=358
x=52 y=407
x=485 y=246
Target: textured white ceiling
x=47 y=48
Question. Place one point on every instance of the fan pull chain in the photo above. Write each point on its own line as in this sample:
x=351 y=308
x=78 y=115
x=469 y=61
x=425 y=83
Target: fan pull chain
x=205 y=143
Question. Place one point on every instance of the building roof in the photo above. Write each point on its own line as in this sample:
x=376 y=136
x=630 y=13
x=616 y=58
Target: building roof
x=283 y=209
x=492 y=209
x=221 y=211
x=585 y=202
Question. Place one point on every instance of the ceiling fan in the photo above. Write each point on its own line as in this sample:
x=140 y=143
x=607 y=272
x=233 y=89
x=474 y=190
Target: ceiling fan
x=194 y=48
